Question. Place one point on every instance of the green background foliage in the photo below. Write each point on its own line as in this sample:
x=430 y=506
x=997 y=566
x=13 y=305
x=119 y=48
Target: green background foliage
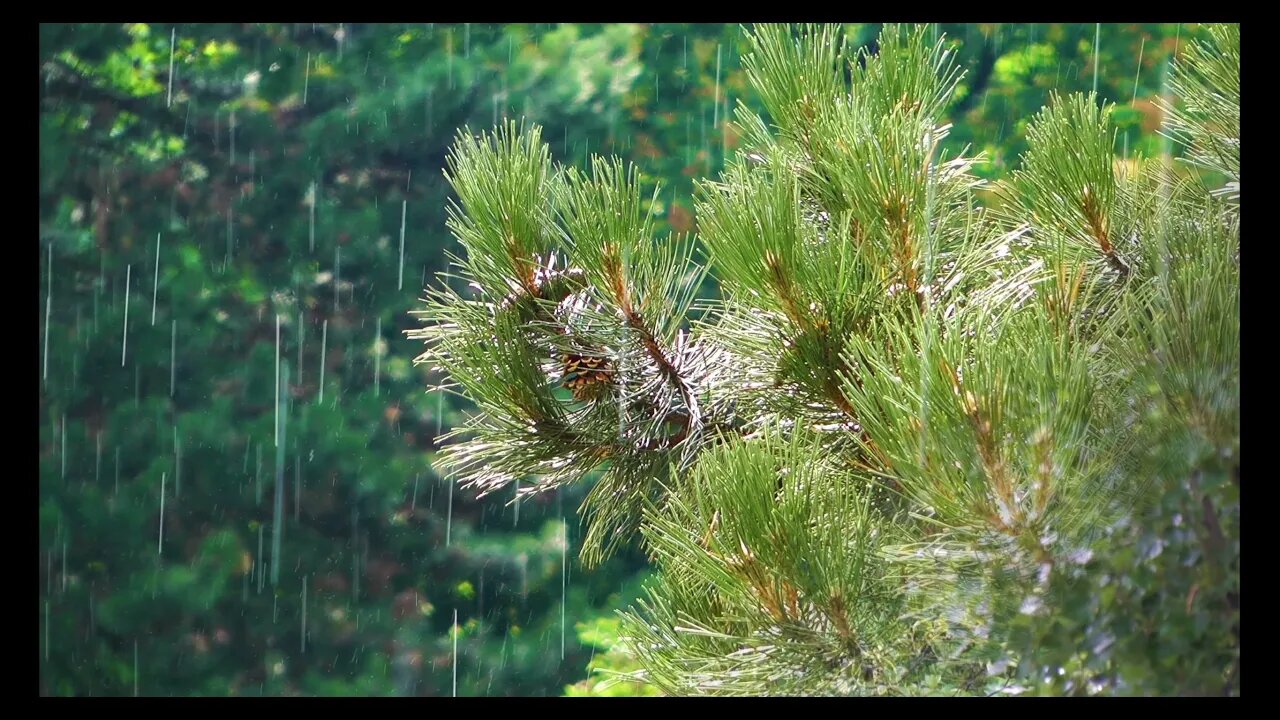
x=222 y=202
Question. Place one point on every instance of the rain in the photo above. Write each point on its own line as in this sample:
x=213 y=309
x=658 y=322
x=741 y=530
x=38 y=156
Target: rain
x=124 y=335
x=368 y=579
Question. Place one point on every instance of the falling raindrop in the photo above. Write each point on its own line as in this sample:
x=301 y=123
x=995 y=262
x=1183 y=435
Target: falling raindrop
x=173 y=39
x=257 y=561
x=306 y=81
x=160 y=542
x=455 y=651
x=377 y=359
x=404 y=209
x=48 y=310
x=304 y=614
x=1097 y=38
x=277 y=522
x=1141 y=47
x=503 y=660
x=155 y=284
x=124 y=343
x=715 y=116
x=277 y=381
x=173 y=355
x=324 y=343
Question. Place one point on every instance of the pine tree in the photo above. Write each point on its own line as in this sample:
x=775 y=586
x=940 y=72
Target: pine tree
x=918 y=444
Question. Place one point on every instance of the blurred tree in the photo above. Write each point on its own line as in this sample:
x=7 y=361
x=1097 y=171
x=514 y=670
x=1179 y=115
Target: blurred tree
x=1014 y=67
x=237 y=493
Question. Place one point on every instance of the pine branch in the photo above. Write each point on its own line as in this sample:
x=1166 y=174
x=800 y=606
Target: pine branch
x=1207 y=82
x=1023 y=379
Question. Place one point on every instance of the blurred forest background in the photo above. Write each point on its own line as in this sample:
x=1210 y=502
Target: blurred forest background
x=237 y=493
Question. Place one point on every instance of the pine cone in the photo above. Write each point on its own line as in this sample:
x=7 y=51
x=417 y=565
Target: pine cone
x=587 y=377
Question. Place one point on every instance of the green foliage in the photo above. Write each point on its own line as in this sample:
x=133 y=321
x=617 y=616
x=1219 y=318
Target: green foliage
x=775 y=578
x=1067 y=182
x=613 y=671
x=533 y=305
x=919 y=447
x=1208 y=83
x=281 y=167
x=1015 y=68
x=615 y=668
x=284 y=165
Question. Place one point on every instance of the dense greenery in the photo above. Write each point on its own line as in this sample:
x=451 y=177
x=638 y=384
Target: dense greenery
x=918 y=445
x=222 y=211
x=276 y=187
